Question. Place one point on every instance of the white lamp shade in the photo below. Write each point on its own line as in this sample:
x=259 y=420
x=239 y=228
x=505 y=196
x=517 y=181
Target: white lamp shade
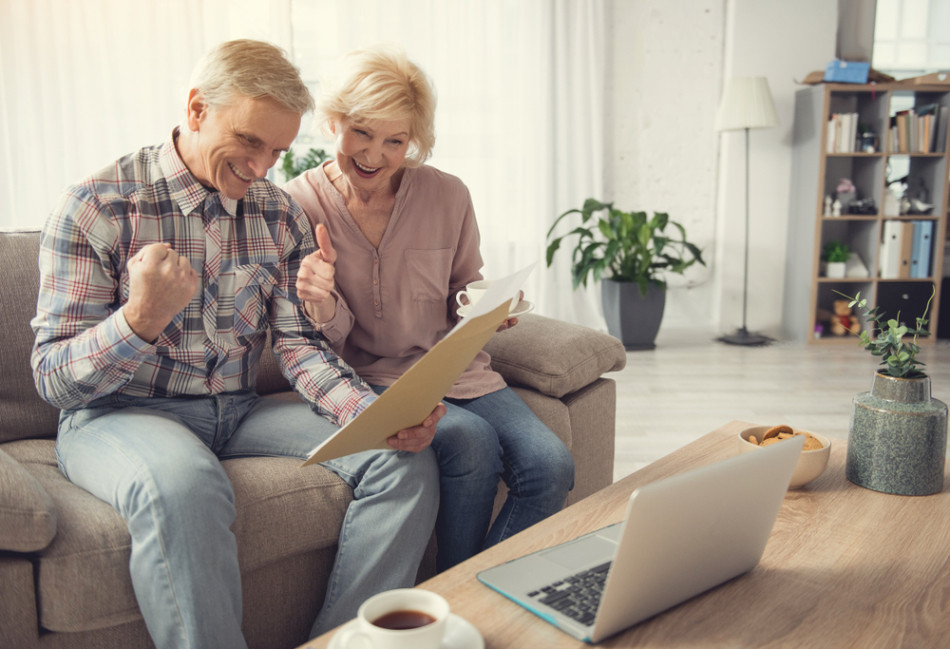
x=746 y=103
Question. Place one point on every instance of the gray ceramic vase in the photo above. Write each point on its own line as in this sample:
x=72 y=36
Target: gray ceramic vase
x=898 y=438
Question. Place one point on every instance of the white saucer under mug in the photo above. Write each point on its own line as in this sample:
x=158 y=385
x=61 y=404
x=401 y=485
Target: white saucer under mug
x=524 y=306
x=459 y=634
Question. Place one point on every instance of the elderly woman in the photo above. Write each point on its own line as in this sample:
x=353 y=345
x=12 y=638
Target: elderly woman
x=397 y=240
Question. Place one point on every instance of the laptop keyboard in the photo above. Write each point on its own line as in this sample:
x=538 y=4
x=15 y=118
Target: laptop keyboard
x=577 y=596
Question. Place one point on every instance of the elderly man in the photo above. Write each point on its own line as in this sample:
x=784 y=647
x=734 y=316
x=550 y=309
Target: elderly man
x=161 y=276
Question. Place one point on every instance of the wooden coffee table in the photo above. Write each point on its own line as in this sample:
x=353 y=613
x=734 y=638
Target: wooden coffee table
x=844 y=567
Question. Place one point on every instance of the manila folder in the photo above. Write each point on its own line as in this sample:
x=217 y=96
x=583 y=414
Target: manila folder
x=414 y=395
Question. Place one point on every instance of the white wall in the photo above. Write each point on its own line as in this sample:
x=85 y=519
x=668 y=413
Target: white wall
x=670 y=63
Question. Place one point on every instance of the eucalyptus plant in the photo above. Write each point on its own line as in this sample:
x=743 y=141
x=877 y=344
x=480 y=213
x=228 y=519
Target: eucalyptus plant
x=898 y=357
x=624 y=246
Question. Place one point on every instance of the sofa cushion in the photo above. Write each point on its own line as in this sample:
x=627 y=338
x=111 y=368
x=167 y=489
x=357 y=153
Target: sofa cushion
x=22 y=413
x=284 y=509
x=27 y=513
x=553 y=357
x=83 y=580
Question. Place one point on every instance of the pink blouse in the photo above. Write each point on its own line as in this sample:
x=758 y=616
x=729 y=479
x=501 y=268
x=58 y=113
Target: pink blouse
x=395 y=302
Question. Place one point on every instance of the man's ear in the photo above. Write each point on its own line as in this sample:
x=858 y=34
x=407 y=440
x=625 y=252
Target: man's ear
x=197 y=109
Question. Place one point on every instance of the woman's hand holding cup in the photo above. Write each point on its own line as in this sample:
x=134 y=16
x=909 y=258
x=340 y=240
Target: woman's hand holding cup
x=474 y=291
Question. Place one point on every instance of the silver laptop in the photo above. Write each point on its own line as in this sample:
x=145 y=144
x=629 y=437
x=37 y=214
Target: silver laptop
x=680 y=537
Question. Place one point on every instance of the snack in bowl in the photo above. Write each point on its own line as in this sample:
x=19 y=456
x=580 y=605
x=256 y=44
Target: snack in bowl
x=814 y=456
x=778 y=433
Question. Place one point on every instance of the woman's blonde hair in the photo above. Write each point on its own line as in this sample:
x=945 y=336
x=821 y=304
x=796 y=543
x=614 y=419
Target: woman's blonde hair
x=252 y=69
x=382 y=84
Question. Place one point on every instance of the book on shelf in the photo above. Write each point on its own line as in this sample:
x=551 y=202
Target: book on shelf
x=897 y=242
x=940 y=139
x=902 y=124
x=842 y=133
x=921 y=249
x=906 y=249
x=922 y=129
x=926 y=133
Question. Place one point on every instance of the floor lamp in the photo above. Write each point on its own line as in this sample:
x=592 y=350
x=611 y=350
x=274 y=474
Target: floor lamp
x=746 y=104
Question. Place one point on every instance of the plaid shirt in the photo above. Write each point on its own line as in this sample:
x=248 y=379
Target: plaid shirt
x=246 y=253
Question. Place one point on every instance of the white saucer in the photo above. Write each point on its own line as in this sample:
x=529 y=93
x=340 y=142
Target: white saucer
x=523 y=307
x=459 y=634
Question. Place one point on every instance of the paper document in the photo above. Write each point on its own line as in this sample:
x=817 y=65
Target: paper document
x=413 y=396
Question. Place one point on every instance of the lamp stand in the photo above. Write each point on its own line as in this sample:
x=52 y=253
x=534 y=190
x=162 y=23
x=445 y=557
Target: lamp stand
x=742 y=336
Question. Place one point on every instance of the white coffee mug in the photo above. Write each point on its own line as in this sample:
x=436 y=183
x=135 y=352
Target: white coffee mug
x=473 y=292
x=405 y=618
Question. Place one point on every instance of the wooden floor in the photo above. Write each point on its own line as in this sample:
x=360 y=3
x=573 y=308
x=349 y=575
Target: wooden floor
x=691 y=384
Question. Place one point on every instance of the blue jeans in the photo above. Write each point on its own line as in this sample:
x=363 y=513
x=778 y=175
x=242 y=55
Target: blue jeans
x=156 y=461
x=479 y=441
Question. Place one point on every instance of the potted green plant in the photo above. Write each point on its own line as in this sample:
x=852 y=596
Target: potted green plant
x=897 y=442
x=293 y=167
x=835 y=255
x=632 y=253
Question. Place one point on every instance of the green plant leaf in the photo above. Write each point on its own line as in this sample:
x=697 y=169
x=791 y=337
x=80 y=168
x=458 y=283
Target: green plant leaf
x=633 y=246
x=292 y=168
x=552 y=248
x=888 y=340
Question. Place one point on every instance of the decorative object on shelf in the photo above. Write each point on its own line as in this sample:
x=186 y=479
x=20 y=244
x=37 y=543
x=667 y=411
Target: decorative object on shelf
x=916 y=197
x=865 y=206
x=845 y=193
x=836 y=208
x=842 y=321
x=838 y=71
x=631 y=253
x=746 y=104
x=835 y=256
x=892 y=204
x=855 y=267
x=915 y=206
x=897 y=441
x=828 y=205
x=293 y=167
x=867 y=140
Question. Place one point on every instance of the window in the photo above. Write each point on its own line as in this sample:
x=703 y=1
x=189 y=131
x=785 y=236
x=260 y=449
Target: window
x=911 y=37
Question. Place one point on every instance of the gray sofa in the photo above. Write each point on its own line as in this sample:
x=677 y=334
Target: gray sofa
x=64 y=554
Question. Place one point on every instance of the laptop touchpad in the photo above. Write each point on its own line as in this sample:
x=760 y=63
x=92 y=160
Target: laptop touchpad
x=582 y=553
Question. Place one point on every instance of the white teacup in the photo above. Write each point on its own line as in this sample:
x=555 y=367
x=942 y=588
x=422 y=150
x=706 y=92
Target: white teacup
x=473 y=292
x=405 y=618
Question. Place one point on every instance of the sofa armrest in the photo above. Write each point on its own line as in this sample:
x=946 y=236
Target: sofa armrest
x=27 y=512
x=553 y=357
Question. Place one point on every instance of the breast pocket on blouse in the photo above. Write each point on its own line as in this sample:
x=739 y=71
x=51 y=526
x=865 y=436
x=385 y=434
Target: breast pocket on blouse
x=253 y=287
x=428 y=274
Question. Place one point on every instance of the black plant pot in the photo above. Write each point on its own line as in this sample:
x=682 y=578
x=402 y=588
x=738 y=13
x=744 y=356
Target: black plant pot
x=633 y=318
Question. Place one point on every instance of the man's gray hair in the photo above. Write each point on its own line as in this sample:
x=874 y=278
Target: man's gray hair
x=253 y=69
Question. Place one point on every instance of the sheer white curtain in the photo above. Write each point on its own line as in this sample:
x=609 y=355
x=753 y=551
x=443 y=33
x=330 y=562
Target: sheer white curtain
x=82 y=83
x=521 y=87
